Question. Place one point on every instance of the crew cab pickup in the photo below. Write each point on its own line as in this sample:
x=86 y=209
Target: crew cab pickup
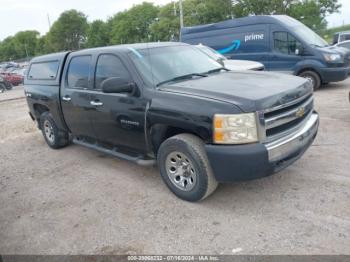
x=170 y=104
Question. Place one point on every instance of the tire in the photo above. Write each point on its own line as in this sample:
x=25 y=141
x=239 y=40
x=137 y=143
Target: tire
x=54 y=137
x=313 y=77
x=9 y=86
x=183 y=158
x=2 y=88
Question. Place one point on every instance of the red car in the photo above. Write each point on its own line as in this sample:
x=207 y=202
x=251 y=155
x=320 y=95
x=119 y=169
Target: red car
x=13 y=78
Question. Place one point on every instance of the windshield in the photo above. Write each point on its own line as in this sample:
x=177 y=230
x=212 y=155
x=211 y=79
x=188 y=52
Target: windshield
x=161 y=64
x=309 y=36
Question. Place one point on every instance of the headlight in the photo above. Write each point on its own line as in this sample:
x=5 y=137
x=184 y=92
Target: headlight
x=332 y=57
x=235 y=129
x=1 y=79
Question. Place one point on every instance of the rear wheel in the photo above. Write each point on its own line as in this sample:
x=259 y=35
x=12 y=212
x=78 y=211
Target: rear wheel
x=185 y=168
x=9 y=86
x=2 y=87
x=54 y=137
x=313 y=77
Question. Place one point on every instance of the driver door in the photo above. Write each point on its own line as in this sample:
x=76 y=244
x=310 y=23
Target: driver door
x=284 y=57
x=118 y=118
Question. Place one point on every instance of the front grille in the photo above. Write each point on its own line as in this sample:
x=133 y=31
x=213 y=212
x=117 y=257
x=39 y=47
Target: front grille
x=285 y=119
x=347 y=61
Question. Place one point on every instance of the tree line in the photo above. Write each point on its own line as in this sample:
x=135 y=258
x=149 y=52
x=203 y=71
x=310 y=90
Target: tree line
x=147 y=22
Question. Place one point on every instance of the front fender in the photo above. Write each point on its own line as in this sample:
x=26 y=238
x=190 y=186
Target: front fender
x=309 y=64
x=182 y=113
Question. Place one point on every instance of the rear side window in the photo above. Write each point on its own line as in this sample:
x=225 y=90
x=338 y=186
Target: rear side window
x=44 y=70
x=285 y=43
x=79 y=72
x=109 y=66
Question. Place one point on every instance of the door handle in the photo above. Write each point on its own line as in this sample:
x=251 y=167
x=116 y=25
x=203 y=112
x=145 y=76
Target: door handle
x=66 y=98
x=96 y=103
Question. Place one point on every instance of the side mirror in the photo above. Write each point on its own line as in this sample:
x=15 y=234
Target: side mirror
x=299 y=50
x=117 y=85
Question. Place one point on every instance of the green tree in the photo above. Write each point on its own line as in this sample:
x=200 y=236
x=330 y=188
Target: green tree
x=25 y=43
x=133 y=25
x=69 y=31
x=166 y=25
x=7 y=49
x=98 y=34
x=310 y=12
x=196 y=12
x=21 y=45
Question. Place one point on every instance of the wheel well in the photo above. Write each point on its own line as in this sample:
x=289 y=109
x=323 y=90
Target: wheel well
x=160 y=133
x=309 y=69
x=39 y=109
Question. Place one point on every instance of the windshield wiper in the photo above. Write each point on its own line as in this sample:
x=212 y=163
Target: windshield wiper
x=188 y=76
x=216 y=70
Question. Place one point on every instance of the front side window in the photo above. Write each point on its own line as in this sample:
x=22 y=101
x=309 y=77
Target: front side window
x=44 y=70
x=285 y=43
x=79 y=72
x=109 y=66
x=346 y=45
x=344 y=37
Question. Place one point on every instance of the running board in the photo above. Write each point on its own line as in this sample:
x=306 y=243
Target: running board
x=138 y=160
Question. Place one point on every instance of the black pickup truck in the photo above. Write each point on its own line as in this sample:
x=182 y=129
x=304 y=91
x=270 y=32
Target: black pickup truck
x=170 y=104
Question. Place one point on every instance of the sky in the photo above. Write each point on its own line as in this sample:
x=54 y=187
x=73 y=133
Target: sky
x=20 y=15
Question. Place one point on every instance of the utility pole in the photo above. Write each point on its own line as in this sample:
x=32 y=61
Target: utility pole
x=25 y=48
x=181 y=15
x=48 y=20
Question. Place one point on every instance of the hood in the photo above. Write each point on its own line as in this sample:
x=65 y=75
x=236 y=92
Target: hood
x=249 y=90
x=242 y=64
x=334 y=50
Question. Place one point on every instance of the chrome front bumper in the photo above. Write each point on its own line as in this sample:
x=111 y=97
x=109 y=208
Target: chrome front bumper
x=294 y=143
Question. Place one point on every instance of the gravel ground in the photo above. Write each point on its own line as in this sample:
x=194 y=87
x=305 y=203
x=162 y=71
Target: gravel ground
x=78 y=201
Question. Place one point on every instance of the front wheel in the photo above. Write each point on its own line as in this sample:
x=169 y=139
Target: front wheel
x=313 y=77
x=185 y=168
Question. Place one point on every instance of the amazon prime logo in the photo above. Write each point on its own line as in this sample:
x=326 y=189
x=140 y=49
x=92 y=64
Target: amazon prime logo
x=253 y=37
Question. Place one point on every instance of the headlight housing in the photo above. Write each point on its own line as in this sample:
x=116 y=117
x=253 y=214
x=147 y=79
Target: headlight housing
x=235 y=129
x=332 y=57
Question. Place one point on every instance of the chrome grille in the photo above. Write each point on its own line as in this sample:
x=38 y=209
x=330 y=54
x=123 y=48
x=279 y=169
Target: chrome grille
x=285 y=119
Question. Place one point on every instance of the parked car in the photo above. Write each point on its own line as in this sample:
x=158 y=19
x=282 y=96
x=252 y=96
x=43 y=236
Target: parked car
x=13 y=78
x=345 y=44
x=231 y=64
x=21 y=71
x=4 y=85
x=341 y=37
x=167 y=103
x=279 y=42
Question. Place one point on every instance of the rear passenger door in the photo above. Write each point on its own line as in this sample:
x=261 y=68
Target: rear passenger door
x=119 y=118
x=76 y=95
x=284 y=58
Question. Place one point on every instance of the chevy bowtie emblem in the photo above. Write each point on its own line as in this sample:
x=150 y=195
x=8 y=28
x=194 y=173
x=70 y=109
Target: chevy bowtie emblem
x=300 y=112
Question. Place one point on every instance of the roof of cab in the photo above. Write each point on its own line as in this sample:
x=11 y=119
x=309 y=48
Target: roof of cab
x=342 y=32
x=125 y=48
x=249 y=20
x=129 y=47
